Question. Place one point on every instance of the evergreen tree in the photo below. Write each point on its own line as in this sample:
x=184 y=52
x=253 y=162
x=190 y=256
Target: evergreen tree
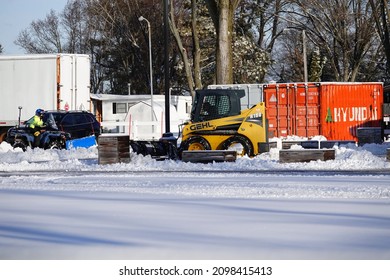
x=316 y=66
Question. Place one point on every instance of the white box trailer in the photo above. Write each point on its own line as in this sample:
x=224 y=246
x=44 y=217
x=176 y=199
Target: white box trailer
x=47 y=81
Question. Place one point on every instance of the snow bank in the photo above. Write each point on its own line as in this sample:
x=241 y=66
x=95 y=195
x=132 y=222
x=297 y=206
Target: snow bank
x=348 y=157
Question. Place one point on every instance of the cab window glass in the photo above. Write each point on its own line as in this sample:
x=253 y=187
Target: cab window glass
x=215 y=106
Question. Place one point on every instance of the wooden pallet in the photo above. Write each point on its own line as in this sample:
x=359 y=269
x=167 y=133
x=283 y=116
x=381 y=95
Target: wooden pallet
x=209 y=156
x=113 y=149
x=314 y=144
x=306 y=155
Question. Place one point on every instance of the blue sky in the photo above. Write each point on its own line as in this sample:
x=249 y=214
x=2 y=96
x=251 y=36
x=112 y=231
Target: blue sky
x=16 y=15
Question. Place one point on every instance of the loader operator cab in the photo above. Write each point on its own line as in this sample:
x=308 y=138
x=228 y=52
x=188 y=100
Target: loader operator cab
x=215 y=104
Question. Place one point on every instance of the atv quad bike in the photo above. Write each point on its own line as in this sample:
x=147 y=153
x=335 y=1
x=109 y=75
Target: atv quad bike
x=50 y=138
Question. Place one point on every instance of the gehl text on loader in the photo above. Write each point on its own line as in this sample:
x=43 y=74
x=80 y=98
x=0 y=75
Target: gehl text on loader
x=217 y=123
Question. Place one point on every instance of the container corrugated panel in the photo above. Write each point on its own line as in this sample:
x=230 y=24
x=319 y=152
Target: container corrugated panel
x=345 y=107
x=334 y=110
x=292 y=109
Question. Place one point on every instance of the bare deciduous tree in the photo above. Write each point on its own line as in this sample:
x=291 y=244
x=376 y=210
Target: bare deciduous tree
x=221 y=41
x=381 y=14
x=222 y=14
x=343 y=29
x=182 y=50
x=43 y=36
x=196 y=45
x=77 y=27
x=257 y=27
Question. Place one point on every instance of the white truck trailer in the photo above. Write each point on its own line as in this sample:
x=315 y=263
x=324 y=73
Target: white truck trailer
x=47 y=81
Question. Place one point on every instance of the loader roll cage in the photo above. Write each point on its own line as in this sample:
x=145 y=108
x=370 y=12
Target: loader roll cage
x=215 y=104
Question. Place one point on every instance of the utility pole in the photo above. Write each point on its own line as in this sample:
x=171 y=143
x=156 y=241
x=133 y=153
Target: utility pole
x=304 y=54
x=166 y=67
x=305 y=76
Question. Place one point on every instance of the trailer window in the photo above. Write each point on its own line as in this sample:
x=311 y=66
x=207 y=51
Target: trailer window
x=119 y=108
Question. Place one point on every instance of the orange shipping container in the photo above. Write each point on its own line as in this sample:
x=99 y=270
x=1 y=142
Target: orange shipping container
x=347 y=106
x=334 y=110
x=292 y=109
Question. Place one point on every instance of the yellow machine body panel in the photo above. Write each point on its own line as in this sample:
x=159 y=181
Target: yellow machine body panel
x=248 y=128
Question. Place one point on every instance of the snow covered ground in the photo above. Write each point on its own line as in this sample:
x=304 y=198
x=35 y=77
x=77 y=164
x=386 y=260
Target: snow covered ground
x=63 y=205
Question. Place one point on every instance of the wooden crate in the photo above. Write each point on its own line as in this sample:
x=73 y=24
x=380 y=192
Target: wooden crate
x=306 y=155
x=113 y=149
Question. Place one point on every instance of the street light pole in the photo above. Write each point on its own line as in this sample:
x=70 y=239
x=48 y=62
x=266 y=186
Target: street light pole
x=141 y=18
x=166 y=66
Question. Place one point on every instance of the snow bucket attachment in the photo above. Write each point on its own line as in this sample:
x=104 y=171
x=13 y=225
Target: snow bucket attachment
x=162 y=149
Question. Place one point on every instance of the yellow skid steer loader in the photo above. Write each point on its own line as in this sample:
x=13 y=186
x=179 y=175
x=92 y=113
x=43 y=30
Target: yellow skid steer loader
x=218 y=123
